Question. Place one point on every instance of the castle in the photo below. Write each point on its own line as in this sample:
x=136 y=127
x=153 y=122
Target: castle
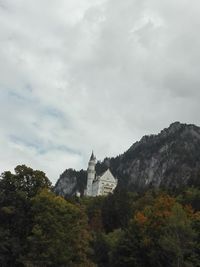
x=99 y=185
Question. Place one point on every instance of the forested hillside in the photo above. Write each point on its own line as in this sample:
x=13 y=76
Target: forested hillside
x=169 y=160
x=125 y=229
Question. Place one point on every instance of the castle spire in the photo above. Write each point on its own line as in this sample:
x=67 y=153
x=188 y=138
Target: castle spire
x=92 y=156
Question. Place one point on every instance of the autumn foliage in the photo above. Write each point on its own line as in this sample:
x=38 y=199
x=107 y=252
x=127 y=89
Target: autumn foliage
x=148 y=229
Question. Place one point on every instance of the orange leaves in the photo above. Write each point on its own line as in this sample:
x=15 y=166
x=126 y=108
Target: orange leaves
x=161 y=211
x=157 y=213
x=164 y=202
x=140 y=218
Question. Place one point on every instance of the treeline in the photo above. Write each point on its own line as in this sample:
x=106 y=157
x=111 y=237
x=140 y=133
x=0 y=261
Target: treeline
x=155 y=229
x=38 y=228
x=41 y=229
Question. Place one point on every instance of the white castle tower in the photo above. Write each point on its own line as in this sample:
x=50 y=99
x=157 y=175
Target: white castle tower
x=91 y=173
x=101 y=185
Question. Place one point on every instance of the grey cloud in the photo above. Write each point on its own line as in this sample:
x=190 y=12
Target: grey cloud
x=93 y=74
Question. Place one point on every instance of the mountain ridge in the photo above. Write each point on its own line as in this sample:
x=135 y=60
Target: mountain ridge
x=169 y=159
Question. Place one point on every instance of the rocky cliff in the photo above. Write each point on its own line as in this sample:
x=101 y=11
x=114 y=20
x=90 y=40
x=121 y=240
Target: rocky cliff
x=170 y=159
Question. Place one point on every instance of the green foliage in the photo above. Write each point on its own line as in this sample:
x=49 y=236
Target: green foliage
x=37 y=228
x=104 y=245
x=94 y=213
x=59 y=234
x=191 y=196
x=117 y=210
x=16 y=191
x=178 y=239
x=161 y=234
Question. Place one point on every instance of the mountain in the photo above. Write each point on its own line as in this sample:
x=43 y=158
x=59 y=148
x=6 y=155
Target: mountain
x=169 y=160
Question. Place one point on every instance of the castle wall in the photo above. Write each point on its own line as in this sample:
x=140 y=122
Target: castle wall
x=103 y=185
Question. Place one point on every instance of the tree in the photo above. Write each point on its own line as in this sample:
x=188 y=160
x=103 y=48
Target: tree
x=59 y=235
x=163 y=233
x=117 y=210
x=93 y=207
x=191 y=196
x=178 y=239
x=126 y=251
x=16 y=191
x=104 y=246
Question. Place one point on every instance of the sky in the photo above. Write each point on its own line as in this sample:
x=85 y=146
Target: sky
x=77 y=75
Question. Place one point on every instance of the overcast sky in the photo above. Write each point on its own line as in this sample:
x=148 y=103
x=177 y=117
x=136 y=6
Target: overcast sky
x=77 y=75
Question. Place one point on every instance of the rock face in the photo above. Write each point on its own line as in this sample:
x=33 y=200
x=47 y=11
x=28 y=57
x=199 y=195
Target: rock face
x=71 y=182
x=170 y=159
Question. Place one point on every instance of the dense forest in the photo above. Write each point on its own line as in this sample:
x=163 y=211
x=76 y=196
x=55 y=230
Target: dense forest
x=141 y=229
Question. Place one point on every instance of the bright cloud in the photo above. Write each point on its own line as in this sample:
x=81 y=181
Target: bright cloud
x=93 y=74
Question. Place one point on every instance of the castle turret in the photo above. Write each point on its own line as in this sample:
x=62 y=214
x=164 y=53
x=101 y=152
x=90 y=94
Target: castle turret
x=90 y=174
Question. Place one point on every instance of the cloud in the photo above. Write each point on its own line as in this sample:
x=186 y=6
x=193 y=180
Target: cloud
x=93 y=74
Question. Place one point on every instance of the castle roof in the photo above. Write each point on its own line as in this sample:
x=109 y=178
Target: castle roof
x=92 y=156
x=105 y=176
x=108 y=176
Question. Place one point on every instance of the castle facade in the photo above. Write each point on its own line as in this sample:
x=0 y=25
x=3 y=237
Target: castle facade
x=99 y=185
